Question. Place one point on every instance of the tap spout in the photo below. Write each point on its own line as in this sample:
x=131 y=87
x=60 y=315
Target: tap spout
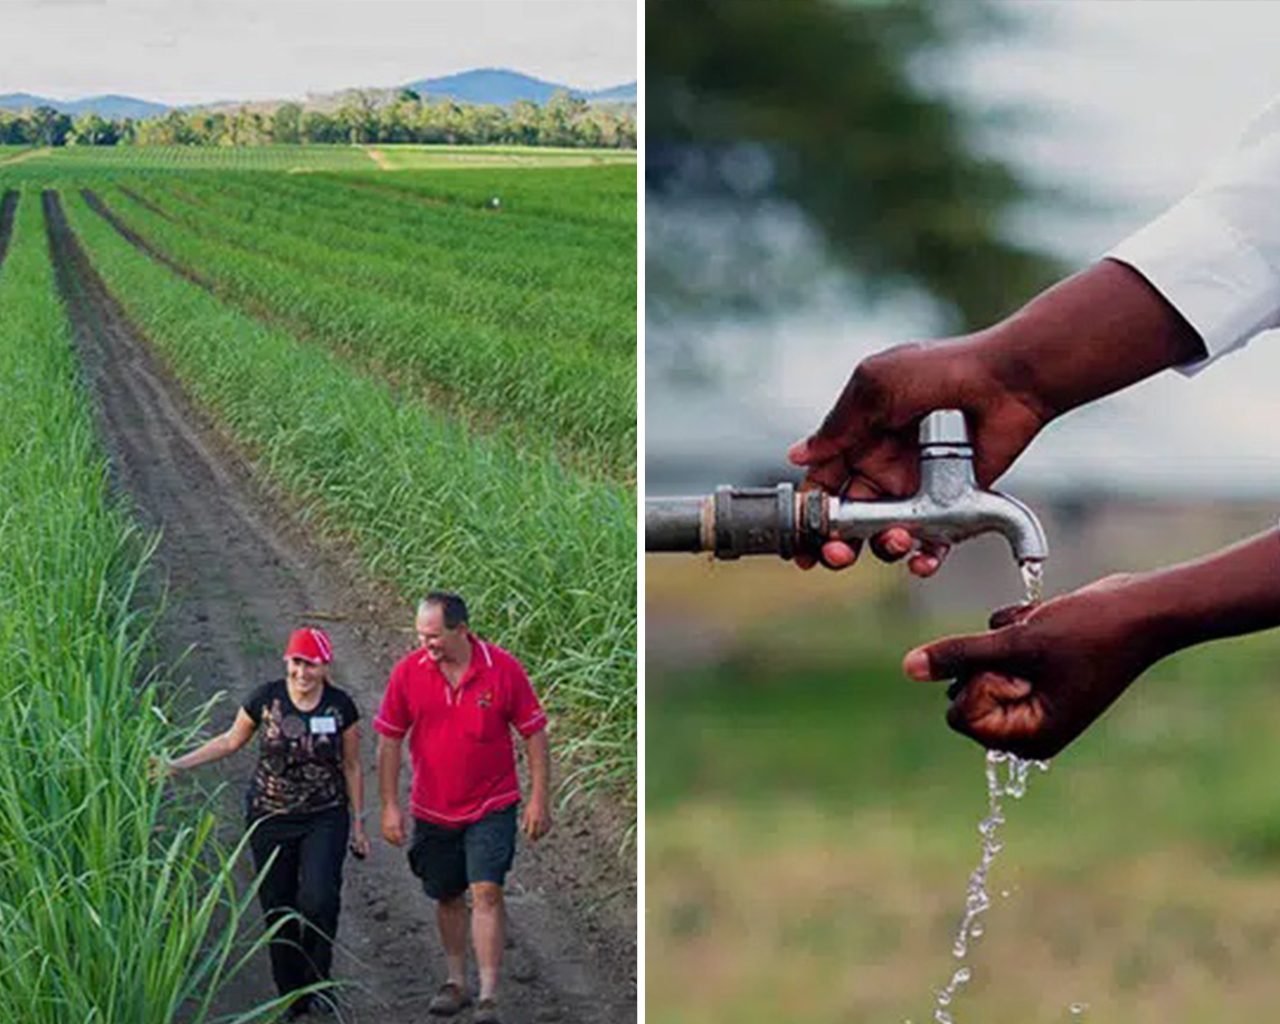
x=948 y=508
x=970 y=514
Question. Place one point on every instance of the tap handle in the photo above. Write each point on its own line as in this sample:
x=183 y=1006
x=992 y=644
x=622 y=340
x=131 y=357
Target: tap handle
x=944 y=427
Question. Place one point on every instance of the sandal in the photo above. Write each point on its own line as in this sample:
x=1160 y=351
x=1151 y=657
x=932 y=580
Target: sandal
x=486 y=1012
x=450 y=1000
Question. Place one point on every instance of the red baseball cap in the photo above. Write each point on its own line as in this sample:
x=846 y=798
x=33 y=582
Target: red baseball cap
x=310 y=644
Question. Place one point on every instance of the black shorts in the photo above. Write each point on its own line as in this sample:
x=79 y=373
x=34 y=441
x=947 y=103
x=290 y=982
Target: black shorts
x=450 y=859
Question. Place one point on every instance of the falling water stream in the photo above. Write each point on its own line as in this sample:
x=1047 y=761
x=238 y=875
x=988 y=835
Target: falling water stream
x=1012 y=784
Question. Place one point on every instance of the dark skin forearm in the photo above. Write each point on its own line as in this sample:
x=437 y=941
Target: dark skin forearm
x=1229 y=593
x=1089 y=336
x=1045 y=672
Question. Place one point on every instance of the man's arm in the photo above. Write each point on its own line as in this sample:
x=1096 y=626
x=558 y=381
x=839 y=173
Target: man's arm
x=1047 y=671
x=537 y=813
x=389 y=789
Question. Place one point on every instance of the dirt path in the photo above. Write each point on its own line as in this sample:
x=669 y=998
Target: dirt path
x=240 y=576
x=9 y=161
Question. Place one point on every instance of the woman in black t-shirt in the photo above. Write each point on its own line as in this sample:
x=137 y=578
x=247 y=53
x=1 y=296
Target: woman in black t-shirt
x=304 y=804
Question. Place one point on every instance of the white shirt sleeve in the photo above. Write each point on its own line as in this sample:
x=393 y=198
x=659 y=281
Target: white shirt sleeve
x=1215 y=256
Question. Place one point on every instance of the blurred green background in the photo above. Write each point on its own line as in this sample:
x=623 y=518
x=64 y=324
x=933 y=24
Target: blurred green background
x=810 y=821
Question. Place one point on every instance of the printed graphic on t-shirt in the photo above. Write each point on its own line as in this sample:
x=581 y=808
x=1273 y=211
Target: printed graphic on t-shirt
x=300 y=753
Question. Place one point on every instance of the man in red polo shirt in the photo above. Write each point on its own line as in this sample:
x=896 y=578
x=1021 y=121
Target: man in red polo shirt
x=457 y=698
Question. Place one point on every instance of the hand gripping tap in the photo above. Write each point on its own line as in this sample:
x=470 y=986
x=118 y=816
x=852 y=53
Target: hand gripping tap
x=948 y=508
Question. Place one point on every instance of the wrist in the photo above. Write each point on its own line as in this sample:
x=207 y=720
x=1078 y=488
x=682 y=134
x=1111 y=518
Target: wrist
x=1091 y=335
x=1228 y=593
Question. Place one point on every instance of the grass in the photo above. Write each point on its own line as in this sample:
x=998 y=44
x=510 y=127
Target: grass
x=116 y=908
x=434 y=309
x=810 y=826
x=312 y=158
x=229 y=158
x=417 y=158
x=600 y=195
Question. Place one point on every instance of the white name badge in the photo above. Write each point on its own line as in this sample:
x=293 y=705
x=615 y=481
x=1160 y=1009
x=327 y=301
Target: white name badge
x=324 y=725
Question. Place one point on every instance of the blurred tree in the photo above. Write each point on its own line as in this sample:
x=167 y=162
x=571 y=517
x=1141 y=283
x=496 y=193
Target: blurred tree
x=286 y=123
x=320 y=127
x=49 y=127
x=214 y=129
x=92 y=130
x=827 y=105
x=14 y=130
x=173 y=129
x=359 y=115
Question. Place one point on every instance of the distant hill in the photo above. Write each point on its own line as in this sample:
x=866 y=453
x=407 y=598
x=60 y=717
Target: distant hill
x=22 y=101
x=113 y=107
x=502 y=88
x=618 y=94
x=483 y=86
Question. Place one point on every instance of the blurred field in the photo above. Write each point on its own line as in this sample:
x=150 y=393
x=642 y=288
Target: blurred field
x=313 y=157
x=415 y=157
x=811 y=823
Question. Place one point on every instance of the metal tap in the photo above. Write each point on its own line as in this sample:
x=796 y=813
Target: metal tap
x=948 y=508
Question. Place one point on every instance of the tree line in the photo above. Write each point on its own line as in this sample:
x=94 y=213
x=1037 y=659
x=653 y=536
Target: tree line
x=363 y=117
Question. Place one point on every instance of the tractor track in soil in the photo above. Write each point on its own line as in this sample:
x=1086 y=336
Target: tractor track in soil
x=239 y=573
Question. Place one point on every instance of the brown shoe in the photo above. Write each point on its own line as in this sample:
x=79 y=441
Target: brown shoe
x=448 y=1001
x=486 y=1012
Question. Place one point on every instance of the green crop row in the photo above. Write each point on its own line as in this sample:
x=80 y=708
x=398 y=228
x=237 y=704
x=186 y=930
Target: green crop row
x=546 y=557
x=604 y=195
x=242 y=158
x=557 y=276
x=410 y=157
x=318 y=157
x=433 y=331
x=506 y=245
x=110 y=910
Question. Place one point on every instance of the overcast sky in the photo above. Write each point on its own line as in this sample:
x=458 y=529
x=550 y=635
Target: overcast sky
x=1131 y=103
x=190 y=51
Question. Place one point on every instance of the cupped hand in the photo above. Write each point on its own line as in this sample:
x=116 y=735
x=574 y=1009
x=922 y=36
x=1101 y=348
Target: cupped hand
x=1046 y=671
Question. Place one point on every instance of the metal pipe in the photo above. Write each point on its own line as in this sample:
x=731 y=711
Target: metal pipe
x=675 y=524
x=948 y=508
